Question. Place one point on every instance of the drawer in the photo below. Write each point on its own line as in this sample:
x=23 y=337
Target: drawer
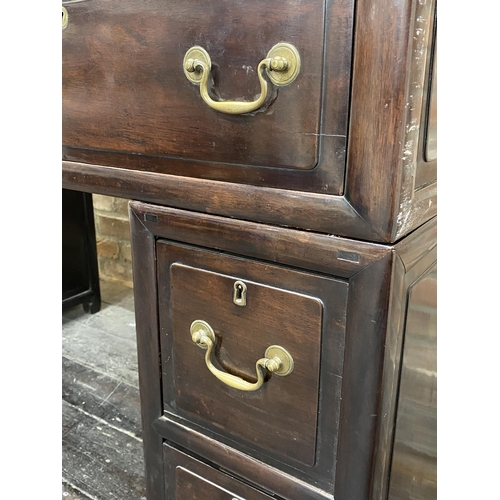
x=318 y=154
x=189 y=479
x=286 y=314
x=125 y=88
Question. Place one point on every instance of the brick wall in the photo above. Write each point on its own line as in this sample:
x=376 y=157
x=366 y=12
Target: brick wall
x=113 y=239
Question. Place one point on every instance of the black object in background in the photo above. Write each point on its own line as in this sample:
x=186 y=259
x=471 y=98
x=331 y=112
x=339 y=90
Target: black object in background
x=80 y=274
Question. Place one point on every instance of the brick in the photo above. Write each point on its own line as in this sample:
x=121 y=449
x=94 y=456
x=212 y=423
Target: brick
x=101 y=202
x=113 y=228
x=116 y=269
x=126 y=252
x=121 y=207
x=108 y=248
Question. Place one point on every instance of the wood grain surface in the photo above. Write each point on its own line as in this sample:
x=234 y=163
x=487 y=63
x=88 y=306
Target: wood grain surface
x=282 y=309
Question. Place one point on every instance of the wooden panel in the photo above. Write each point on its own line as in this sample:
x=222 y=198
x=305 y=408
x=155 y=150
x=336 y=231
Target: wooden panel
x=380 y=191
x=284 y=307
x=148 y=356
x=431 y=132
x=95 y=454
x=124 y=87
x=426 y=172
x=413 y=472
x=329 y=214
x=190 y=479
x=286 y=406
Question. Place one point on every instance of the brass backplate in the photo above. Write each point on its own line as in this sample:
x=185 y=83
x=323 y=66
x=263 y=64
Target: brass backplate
x=64 y=17
x=290 y=53
x=276 y=351
x=200 y=54
x=202 y=327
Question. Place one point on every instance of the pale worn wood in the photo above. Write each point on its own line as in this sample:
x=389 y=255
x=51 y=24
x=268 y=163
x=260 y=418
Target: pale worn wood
x=99 y=459
x=99 y=396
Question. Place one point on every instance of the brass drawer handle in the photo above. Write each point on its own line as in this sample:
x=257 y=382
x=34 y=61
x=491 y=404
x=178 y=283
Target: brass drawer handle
x=277 y=360
x=282 y=66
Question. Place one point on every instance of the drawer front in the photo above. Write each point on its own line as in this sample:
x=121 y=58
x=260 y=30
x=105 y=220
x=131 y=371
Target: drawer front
x=125 y=88
x=283 y=308
x=190 y=479
x=128 y=103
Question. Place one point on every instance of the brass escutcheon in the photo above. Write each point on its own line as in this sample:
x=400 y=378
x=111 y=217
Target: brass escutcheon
x=64 y=17
x=240 y=293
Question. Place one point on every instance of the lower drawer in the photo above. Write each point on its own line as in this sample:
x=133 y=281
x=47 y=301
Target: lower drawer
x=341 y=308
x=189 y=479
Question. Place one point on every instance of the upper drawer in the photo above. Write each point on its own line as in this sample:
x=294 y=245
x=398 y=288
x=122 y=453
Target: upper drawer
x=339 y=149
x=125 y=87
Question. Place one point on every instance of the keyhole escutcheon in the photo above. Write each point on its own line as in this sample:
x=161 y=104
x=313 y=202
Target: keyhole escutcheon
x=240 y=293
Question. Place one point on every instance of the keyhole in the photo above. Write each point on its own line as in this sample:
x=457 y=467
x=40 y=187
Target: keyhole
x=239 y=296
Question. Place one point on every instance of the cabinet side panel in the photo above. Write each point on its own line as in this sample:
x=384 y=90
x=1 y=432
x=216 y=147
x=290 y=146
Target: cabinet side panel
x=413 y=473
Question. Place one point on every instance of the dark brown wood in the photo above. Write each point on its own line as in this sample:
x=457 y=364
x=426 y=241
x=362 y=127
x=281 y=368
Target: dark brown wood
x=146 y=313
x=240 y=464
x=269 y=199
x=305 y=250
x=287 y=308
x=368 y=193
x=392 y=44
x=271 y=317
x=332 y=214
x=354 y=448
x=369 y=293
x=190 y=479
x=412 y=249
x=109 y=115
x=413 y=466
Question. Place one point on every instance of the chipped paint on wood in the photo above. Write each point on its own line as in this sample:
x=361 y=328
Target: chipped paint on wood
x=409 y=211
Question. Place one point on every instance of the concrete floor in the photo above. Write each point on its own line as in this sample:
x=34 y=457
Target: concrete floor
x=101 y=444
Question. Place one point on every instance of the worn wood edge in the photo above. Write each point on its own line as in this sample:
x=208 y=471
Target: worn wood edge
x=394 y=165
x=237 y=462
x=408 y=204
x=378 y=95
x=310 y=211
x=412 y=248
x=300 y=249
x=423 y=208
x=400 y=290
x=148 y=348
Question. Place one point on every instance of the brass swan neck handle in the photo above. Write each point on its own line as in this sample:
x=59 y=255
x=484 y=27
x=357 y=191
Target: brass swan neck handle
x=282 y=66
x=277 y=360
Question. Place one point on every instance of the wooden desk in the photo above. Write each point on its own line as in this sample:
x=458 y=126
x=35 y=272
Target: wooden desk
x=319 y=202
